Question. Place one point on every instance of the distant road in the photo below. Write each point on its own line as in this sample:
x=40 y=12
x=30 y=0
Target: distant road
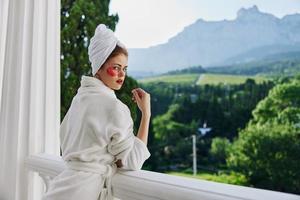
x=199 y=79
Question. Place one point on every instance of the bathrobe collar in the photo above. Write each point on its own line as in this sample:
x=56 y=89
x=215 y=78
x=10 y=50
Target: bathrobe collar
x=92 y=84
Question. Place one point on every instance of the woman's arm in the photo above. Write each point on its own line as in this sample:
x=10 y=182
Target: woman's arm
x=142 y=99
x=144 y=128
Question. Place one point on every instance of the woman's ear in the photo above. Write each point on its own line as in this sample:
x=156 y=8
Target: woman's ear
x=97 y=75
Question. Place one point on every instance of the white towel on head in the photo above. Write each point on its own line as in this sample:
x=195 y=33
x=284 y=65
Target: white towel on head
x=101 y=46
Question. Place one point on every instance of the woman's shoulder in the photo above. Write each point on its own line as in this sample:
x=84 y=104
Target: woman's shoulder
x=99 y=103
x=109 y=104
x=94 y=102
x=119 y=106
x=120 y=110
x=120 y=115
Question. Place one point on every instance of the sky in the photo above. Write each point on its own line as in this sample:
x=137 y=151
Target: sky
x=145 y=23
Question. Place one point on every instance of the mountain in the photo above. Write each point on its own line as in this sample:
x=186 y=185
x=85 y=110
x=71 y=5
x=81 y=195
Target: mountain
x=210 y=43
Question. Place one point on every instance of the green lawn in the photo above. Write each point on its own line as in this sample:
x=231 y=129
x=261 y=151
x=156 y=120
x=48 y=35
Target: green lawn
x=214 y=79
x=201 y=79
x=232 y=178
x=179 y=79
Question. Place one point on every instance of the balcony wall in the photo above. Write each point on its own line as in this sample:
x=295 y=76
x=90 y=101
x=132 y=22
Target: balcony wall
x=147 y=185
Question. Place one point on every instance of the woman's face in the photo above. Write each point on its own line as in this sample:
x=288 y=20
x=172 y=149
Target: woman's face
x=113 y=72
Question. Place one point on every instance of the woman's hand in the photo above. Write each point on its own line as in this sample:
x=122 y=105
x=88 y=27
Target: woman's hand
x=142 y=99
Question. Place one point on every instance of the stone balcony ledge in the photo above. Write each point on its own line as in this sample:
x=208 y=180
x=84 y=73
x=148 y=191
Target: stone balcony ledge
x=147 y=185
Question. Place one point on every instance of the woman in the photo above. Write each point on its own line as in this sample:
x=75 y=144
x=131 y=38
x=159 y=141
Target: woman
x=97 y=131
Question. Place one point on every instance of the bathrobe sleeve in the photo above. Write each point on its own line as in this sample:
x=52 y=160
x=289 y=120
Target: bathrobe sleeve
x=124 y=145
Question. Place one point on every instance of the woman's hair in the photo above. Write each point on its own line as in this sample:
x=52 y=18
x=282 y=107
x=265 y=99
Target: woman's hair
x=118 y=50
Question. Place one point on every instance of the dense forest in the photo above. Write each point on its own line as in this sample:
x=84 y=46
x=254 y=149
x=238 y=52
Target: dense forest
x=255 y=130
x=179 y=110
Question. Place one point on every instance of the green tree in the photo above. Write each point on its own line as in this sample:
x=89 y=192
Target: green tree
x=79 y=19
x=267 y=150
x=219 y=149
x=172 y=145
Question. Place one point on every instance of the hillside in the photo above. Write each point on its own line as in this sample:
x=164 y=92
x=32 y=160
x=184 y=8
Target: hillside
x=289 y=65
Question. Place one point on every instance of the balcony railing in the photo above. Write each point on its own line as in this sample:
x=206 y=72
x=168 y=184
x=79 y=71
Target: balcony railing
x=147 y=185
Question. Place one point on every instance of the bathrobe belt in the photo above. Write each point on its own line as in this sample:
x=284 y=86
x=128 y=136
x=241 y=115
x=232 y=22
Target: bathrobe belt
x=107 y=171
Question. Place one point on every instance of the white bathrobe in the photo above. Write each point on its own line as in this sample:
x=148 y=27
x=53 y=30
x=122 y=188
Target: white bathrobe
x=96 y=131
